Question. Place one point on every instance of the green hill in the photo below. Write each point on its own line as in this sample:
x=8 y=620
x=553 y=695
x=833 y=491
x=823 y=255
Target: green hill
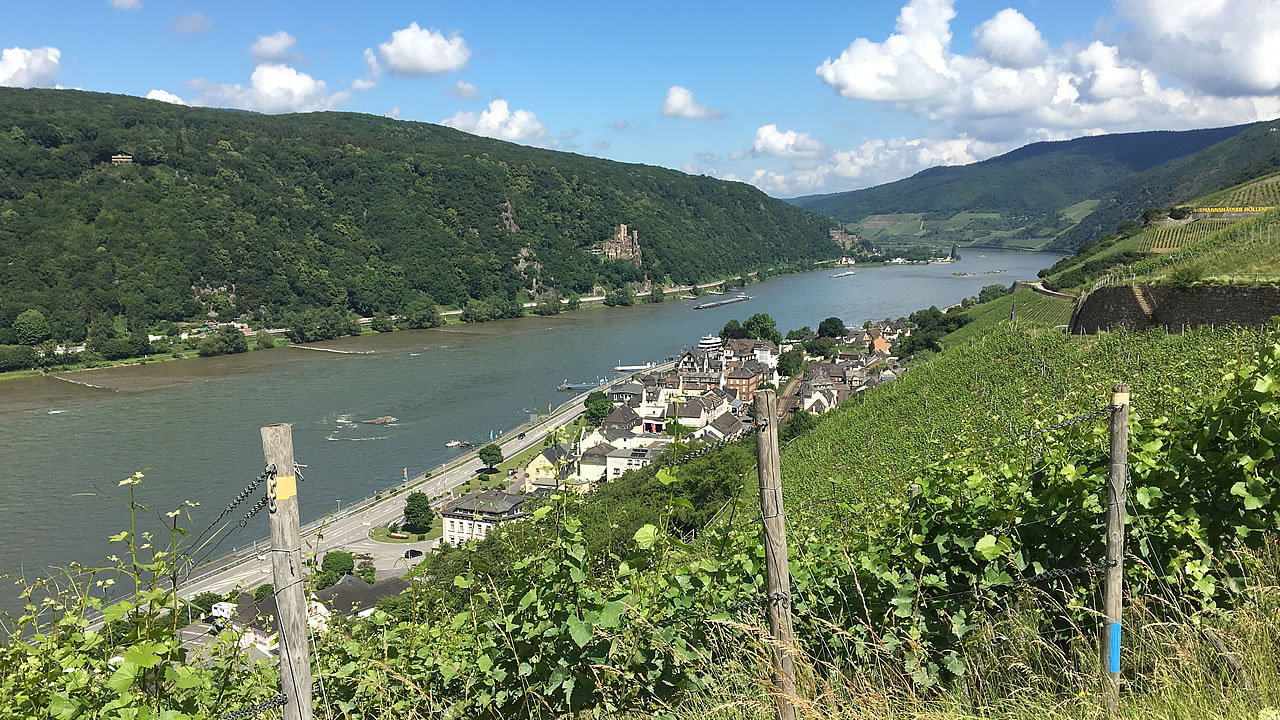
x=260 y=214
x=1038 y=179
x=1246 y=156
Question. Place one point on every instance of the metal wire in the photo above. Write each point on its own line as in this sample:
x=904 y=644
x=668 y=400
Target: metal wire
x=270 y=471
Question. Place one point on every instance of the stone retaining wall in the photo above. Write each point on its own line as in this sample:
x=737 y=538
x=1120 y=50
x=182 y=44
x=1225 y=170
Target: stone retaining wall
x=1174 y=308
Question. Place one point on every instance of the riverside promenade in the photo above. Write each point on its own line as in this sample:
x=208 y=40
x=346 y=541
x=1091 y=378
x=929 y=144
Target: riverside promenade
x=349 y=528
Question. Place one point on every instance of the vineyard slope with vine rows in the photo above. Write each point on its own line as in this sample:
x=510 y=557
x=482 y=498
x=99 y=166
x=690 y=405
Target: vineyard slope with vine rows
x=1034 y=310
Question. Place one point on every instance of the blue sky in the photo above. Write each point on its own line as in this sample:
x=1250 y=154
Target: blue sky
x=793 y=98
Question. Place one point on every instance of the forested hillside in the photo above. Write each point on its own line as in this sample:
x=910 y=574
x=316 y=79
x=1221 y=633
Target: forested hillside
x=1250 y=154
x=1037 y=179
x=243 y=213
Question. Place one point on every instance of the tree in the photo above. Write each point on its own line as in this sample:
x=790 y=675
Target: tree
x=992 y=292
x=548 y=304
x=421 y=312
x=733 y=330
x=598 y=406
x=797 y=425
x=820 y=347
x=418 y=513
x=790 y=362
x=623 y=296
x=17 y=357
x=382 y=323
x=30 y=328
x=262 y=591
x=226 y=340
x=338 y=562
x=763 y=327
x=804 y=333
x=490 y=455
x=324 y=579
x=832 y=327
x=265 y=340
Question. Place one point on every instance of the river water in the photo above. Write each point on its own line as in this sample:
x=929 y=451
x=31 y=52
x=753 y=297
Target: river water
x=192 y=426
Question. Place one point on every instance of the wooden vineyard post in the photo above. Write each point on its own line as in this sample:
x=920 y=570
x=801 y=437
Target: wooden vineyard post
x=286 y=564
x=777 y=572
x=1116 y=502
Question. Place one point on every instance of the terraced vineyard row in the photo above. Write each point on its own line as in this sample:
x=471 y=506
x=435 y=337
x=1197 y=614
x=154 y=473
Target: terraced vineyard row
x=1033 y=308
x=1174 y=237
x=1264 y=192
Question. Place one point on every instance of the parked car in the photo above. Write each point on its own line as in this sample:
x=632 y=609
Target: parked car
x=520 y=436
x=412 y=553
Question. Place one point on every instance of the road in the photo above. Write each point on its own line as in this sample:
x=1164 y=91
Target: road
x=349 y=530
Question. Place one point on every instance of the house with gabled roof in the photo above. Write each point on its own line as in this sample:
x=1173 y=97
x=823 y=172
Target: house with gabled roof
x=472 y=516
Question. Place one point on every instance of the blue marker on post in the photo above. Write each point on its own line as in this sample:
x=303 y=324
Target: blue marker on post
x=1113 y=654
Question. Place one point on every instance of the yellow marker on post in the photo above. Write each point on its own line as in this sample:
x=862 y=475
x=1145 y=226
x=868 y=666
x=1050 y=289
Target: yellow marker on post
x=286 y=487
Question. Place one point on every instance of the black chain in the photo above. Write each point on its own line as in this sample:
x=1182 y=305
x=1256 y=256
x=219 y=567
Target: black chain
x=254 y=710
x=246 y=492
x=254 y=511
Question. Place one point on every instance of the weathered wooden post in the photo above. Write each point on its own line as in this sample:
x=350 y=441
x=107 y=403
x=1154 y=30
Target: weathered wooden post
x=1116 y=502
x=777 y=573
x=286 y=564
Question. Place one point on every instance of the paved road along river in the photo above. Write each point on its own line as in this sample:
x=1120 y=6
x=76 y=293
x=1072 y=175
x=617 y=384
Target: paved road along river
x=192 y=426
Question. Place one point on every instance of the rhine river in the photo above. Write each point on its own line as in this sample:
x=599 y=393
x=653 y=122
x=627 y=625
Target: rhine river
x=192 y=426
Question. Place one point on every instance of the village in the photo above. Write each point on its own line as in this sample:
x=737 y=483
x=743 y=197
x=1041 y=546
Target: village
x=703 y=395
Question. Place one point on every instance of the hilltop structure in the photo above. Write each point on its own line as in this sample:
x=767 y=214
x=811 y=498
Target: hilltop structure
x=624 y=245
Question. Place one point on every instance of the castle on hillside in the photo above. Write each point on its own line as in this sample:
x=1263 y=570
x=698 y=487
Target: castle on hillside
x=623 y=245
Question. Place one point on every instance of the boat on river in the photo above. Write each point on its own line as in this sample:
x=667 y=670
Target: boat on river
x=631 y=368
x=457 y=444
x=567 y=386
x=740 y=297
x=846 y=273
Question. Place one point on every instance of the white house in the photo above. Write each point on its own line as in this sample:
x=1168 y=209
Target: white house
x=472 y=516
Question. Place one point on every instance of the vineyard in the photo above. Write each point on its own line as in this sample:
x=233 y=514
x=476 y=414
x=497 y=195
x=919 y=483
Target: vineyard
x=1264 y=192
x=973 y=596
x=1164 y=239
x=1034 y=309
x=1245 y=251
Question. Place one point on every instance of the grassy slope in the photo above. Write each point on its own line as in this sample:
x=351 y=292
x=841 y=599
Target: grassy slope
x=1001 y=384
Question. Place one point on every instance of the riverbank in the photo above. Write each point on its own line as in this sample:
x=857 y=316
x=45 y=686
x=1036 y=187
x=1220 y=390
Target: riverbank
x=449 y=317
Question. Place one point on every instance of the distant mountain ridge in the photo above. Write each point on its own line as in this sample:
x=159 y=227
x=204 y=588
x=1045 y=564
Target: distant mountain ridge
x=1037 y=179
x=243 y=212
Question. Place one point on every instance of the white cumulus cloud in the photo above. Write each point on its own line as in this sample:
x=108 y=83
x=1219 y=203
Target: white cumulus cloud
x=463 y=90
x=1010 y=40
x=35 y=67
x=393 y=113
x=771 y=141
x=499 y=121
x=912 y=64
x=680 y=103
x=1017 y=88
x=165 y=96
x=272 y=88
x=275 y=46
x=418 y=51
x=126 y=4
x=1219 y=47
